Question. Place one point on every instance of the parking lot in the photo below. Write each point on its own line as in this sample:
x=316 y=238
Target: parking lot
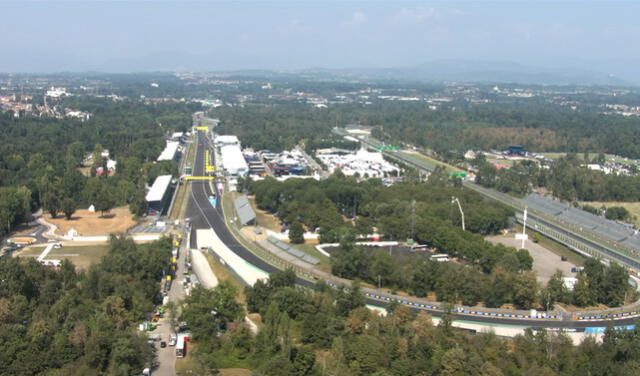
x=545 y=262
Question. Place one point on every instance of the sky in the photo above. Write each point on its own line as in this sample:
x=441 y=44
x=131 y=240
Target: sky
x=52 y=36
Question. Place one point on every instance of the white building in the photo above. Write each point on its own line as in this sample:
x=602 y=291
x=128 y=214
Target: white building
x=233 y=160
x=158 y=195
x=596 y=167
x=170 y=151
x=56 y=92
x=363 y=163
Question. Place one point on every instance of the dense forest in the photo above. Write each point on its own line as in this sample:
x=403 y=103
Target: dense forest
x=567 y=178
x=330 y=332
x=40 y=157
x=58 y=321
x=457 y=126
x=342 y=209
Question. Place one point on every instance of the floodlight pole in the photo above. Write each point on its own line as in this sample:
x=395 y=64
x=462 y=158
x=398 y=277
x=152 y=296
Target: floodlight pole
x=455 y=200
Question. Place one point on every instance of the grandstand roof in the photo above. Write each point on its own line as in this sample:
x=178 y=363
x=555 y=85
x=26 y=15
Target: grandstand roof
x=169 y=152
x=158 y=189
x=244 y=210
x=232 y=159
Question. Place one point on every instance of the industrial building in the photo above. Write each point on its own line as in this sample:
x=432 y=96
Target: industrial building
x=159 y=195
x=233 y=160
x=170 y=152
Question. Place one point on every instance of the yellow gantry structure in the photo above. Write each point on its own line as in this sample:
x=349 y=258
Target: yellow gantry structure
x=198 y=177
x=207 y=166
x=203 y=128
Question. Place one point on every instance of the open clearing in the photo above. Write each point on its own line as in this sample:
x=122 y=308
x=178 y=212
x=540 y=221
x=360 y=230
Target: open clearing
x=88 y=223
x=81 y=256
x=545 y=262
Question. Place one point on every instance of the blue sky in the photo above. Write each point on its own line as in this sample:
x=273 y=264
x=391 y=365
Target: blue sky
x=223 y=35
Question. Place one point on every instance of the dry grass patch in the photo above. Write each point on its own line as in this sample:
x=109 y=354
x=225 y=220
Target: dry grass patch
x=265 y=219
x=88 y=223
x=82 y=256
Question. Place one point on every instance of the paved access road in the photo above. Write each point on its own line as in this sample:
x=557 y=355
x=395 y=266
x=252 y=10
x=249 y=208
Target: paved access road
x=166 y=357
x=203 y=215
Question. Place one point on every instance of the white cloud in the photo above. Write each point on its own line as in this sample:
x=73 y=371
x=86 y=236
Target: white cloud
x=358 y=18
x=416 y=15
x=457 y=12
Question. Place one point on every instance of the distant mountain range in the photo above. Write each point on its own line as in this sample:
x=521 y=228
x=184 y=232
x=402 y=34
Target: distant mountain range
x=576 y=72
x=501 y=72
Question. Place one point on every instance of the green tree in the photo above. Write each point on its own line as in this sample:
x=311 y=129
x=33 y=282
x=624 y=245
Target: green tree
x=582 y=294
x=104 y=202
x=208 y=311
x=349 y=299
x=296 y=233
x=139 y=204
x=68 y=207
x=304 y=359
x=525 y=289
x=52 y=203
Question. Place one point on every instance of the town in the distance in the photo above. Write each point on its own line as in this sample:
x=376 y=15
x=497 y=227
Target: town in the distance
x=317 y=223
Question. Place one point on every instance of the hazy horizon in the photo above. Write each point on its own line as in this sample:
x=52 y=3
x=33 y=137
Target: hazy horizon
x=238 y=35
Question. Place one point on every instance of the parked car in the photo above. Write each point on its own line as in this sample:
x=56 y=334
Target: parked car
x=163 y=344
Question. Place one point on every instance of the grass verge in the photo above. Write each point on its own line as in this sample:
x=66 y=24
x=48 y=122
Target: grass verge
x=179 y=204
x=310 y=249
x=223 y=274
